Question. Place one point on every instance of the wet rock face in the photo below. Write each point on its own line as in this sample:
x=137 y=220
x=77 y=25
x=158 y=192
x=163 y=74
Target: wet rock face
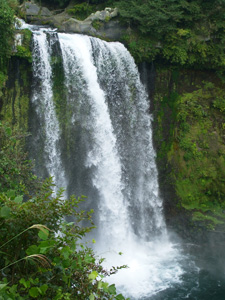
x=103 y=15
x=31 y=9
x=100 y=23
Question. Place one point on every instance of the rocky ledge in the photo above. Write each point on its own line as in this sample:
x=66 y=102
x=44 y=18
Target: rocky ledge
x=101 y=23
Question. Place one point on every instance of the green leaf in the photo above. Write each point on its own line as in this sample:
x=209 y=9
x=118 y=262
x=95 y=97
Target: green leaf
x=43 y=234
x=11 y=194
x=105 y=286
x=69 y=224
x=44 y=250
x=33 y=292
x=33 y=249
x=13 y=289
x=91 y=297
x=8 y=131
x=46 y=245
x=112 y=289
x=89 y=259
x=66 y=263
x=5 y=212
x=25 y=283
x=66 y=252
x=43 y=288
x=120 y=297
x=99 y=285
x=57 y=260
x=2 y=286
x=19 y=199
x=93 y=275
x=34 y=281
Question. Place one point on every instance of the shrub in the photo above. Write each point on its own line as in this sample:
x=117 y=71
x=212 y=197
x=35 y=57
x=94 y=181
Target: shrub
x=61 y=265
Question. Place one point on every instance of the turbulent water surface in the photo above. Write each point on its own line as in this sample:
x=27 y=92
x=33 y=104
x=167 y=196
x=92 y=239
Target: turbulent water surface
x=91 y=131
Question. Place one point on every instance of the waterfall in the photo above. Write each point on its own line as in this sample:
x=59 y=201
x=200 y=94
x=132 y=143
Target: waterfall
x=91 y=117
x=103 y=155
x=42 y=99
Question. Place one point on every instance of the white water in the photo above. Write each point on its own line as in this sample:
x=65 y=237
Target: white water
x=103 y=155
x=43 y=101
x=106 y=99
x=147 y=274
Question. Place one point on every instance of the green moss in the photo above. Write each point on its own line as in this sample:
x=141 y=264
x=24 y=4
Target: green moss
x=16 y=107
x=209 y=221
x=194 y=150
x=80 y=11
x=97 y=24
x=16 y=95
x=24 y=50
x=199 y=147
x=3 y=78
x=141 y=47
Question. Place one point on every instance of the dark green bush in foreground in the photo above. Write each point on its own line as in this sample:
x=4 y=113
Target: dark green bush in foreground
x=47 y=261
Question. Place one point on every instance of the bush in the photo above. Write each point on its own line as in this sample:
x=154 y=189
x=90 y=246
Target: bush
x=55 y=263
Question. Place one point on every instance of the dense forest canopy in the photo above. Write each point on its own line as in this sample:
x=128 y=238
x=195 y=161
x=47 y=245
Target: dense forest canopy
x=186 y=32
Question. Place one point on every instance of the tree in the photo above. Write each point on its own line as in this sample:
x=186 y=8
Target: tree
x=155 y=17
x=187 y=32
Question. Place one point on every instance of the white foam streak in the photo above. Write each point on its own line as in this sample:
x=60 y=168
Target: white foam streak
x=103 y=156
x=152 y=268
x=43 y=101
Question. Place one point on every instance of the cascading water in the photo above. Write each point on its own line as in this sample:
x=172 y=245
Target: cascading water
x=102 y=156
x=42 y=99
x=97 y=141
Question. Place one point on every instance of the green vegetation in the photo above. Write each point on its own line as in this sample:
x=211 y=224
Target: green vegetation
x=6 y=38
x=194 y=148
x=201 y=151
x=183 y=32
x=81 y=10
x=54 y=3
x=6 y=30
x=47 y=261
x=15 y=97
x=97 y=24
x=24 y=50
x=3 y=78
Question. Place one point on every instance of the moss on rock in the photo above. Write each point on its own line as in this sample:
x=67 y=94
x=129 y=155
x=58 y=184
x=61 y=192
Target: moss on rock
x=16 y=94
x=23 y=50
x=190 y=136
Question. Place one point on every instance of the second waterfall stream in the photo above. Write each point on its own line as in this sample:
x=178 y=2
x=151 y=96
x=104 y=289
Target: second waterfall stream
x=91 y=131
